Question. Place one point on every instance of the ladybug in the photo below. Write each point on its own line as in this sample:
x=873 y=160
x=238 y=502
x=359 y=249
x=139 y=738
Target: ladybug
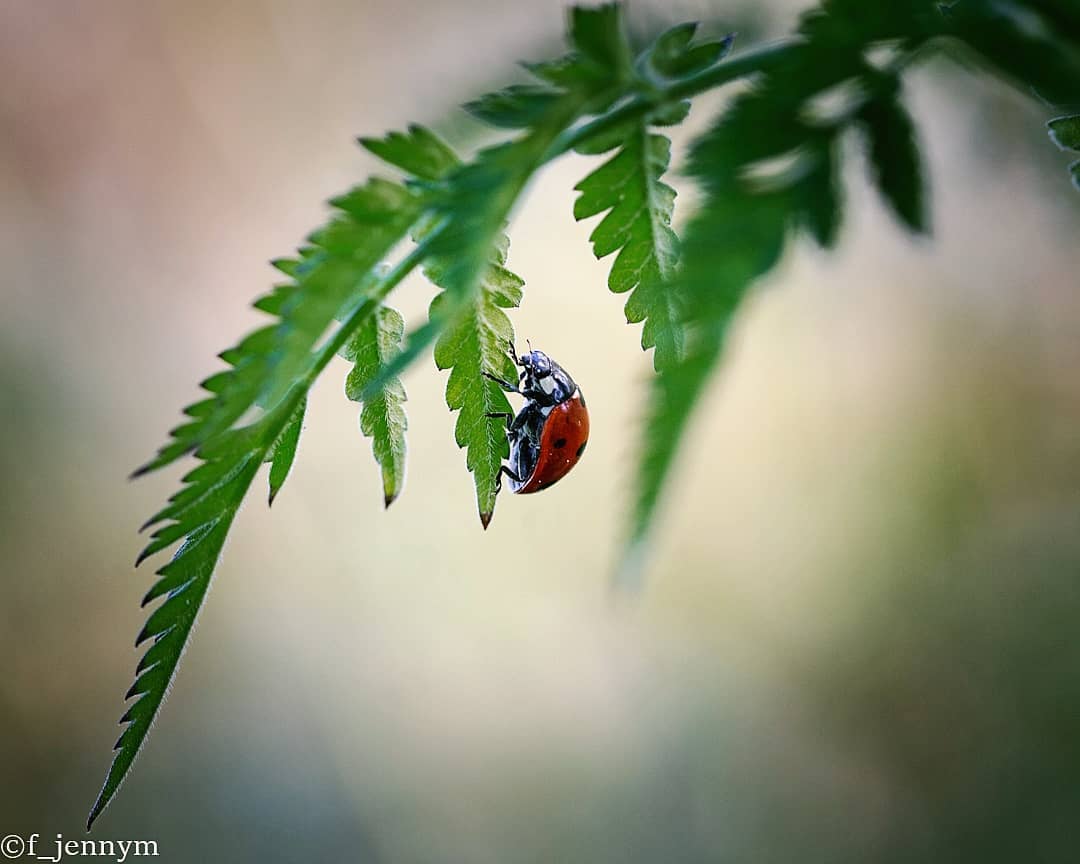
x=549 y=433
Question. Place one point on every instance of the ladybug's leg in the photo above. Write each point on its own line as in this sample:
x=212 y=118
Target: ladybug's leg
x=528 y=422
x=506 y=385
x=498 y=478
x=505 y=415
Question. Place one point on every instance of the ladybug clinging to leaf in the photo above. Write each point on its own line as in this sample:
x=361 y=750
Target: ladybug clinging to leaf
x=549 y=433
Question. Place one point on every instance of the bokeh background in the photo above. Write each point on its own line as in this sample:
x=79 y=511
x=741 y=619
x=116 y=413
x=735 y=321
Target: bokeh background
x=858 y=640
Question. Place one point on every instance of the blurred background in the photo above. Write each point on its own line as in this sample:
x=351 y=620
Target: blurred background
x=858 y=638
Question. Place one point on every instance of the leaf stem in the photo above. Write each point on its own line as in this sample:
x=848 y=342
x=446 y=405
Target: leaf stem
x=760 y=60
x=384 y=285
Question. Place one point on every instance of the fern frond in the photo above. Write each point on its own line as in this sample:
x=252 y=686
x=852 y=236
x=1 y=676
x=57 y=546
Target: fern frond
x=474 y=200
x=471 y=204
x=467 y=257
x=1035 y=43
x=638 y=226
x=728 y=250
x=335 y=277
x=200 y=515
x=638 y=204
x=750 y=204
x=378 y=216
x=370 y=220
x=466 y=319
x=474 y=344
x=382 y=417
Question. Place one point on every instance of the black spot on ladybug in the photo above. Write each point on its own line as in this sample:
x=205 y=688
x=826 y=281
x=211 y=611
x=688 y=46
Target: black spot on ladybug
x=581 y=449
x=560 y=443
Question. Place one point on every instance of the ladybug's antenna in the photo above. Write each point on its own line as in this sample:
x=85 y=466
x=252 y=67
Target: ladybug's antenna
x=527 y=342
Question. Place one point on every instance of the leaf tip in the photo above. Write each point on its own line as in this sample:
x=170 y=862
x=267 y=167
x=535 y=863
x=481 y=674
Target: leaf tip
x=103 y=799
x=388 y=499
x=485 y=518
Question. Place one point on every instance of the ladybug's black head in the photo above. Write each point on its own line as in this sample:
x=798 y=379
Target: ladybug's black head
x=536 y=363
x=543 y=380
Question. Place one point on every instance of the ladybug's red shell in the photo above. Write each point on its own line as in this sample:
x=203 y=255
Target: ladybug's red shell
x=548 y=435
x=562 y=441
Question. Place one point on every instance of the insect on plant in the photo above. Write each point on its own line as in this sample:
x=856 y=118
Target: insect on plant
x=549 y=434
x=606 y=96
